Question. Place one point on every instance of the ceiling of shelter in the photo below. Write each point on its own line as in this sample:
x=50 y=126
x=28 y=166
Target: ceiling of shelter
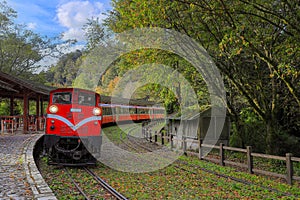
x=11 y=86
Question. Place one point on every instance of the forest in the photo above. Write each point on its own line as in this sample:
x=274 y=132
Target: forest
x=253 y=43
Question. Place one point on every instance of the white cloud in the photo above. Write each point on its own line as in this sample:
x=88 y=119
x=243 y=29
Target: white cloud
x=31 y=25
x=73 y=15
x=74 y=33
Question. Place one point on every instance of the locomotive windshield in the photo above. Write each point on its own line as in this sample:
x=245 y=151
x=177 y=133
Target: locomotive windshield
x=62 y=98
x=86 y=99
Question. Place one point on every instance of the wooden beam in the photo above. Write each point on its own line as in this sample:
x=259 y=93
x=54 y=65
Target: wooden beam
x=7 y=86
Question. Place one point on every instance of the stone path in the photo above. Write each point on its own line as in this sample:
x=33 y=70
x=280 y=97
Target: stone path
x=19 y=176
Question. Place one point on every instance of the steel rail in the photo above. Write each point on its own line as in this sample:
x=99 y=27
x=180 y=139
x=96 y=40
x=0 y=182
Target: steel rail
x=105 y=185
x=232 y=178
x=136 y=143
x=76 y=185
x=128 y=143
x=218 y=174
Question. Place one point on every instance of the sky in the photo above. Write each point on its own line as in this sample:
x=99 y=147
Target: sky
x=54 y=17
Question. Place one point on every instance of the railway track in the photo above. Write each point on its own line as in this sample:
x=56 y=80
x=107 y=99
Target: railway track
x=128 y=143
x=115 y=194
x=228 y=177
x=80 y=190
x=182 y=164
x=105 y=185
x=140 y=145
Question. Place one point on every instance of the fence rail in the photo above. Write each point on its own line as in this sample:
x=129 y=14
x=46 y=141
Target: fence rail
x=289 y=176
x=10 y=124
x=250 y=167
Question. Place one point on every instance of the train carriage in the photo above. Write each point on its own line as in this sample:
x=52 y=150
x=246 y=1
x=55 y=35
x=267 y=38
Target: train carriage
x=74 y=120
x=124 y=110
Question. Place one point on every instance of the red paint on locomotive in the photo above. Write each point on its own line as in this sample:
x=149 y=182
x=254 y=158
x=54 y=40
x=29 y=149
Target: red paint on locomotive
x=75 y=113
x=73 y=127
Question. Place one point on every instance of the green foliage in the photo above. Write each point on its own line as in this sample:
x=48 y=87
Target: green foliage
x=248 y=41
x=4 y=107
x=248 y=131
x=22 y=49
x=158 y=91
x=253 y=43
x=65 y=71
x=94 y=32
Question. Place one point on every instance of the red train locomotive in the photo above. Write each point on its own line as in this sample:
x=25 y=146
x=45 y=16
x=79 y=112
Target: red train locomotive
x=74 y=121
x=73 y=126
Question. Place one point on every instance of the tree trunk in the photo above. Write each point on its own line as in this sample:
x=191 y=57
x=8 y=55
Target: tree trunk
x=271 y=140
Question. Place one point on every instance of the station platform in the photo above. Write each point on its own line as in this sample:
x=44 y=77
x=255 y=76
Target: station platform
x=19 y=176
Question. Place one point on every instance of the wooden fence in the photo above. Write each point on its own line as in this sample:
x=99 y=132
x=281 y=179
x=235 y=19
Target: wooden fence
x=10 y=124
x=162 y=138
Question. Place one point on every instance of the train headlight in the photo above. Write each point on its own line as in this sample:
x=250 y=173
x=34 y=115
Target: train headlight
x=96 y=111
x=53 y=109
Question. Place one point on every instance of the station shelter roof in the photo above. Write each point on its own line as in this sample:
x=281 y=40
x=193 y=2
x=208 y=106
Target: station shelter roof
x=12 y=86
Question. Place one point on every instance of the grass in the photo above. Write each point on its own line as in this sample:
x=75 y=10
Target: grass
x=271 y=165
x=171 y=182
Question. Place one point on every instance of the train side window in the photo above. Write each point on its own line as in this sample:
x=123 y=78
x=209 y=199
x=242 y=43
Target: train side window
x=123 y=110
x=142 y=111
x=106 y=110
x=132 y=110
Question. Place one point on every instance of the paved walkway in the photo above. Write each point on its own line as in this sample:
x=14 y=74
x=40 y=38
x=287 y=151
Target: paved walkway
x=19 y=176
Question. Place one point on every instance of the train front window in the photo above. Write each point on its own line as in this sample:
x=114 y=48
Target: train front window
x=86 y=99
x=62 y=98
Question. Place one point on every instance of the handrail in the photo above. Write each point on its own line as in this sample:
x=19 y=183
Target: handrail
x=9 y=124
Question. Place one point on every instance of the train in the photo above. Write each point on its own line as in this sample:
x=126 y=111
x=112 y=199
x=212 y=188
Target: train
x=75 y=118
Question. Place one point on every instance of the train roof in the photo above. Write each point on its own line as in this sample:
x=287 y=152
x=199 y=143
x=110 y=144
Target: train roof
x=116 y=100
x=113 y=100
x=70 y=89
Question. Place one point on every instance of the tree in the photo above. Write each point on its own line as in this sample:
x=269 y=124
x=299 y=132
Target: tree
x=253 y=43
x=21 y=50
x=95 y=33
x=65 y=71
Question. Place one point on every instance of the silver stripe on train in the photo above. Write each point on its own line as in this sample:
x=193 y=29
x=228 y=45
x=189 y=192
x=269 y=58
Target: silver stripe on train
x=70 y=124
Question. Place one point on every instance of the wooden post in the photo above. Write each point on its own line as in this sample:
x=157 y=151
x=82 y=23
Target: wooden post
x=2 y=126
x=42 y=106
x=37 y=128
x=168 y=133
x=222 y=155
x=25 y=114
x=200 y=149
x=12 y=126
x=171 y=141
x=162 y=138
x=155 y=137
x=249 y=159
x=143 y=131
x=184 y=144
x=289 y=169
x=11 y=107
